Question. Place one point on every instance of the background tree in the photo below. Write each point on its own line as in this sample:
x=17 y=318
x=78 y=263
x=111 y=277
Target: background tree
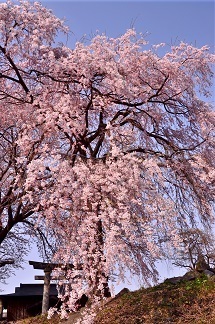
x=196 y=246
x=12 y=253
x=115 y=145
x=26 y=34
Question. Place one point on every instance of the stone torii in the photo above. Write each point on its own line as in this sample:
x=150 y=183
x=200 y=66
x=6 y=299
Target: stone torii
x=47 y=268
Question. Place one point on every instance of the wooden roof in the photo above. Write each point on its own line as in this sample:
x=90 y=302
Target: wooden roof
x=31 y=290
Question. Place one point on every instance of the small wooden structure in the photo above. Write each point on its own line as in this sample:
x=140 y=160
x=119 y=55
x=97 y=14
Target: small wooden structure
x=26 y=301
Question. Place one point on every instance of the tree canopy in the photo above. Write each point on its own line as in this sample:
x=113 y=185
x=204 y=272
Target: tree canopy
x=108 y=146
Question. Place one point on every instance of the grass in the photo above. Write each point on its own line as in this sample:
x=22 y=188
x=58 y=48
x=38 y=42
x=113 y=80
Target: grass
x=187 y=302
x=190 y=302
x=40 y=319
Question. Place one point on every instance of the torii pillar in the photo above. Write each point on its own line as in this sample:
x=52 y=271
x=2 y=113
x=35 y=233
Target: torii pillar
x=46 y=290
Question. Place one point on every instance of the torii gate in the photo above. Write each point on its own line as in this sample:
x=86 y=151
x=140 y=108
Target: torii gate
x=47 y=268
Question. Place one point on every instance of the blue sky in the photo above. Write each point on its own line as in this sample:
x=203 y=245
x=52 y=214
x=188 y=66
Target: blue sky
x=162 y=21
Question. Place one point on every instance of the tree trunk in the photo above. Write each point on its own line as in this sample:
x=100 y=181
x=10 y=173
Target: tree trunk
x=96 y=291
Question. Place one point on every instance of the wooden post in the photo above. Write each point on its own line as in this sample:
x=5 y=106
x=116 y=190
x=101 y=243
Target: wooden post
x=46 y=290
x=1 y=309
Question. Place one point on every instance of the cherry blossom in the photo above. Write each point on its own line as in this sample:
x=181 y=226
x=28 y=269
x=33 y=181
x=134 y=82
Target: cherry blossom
x=114 y=146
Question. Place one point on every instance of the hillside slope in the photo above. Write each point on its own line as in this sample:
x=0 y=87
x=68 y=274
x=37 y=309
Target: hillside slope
x=185 y=302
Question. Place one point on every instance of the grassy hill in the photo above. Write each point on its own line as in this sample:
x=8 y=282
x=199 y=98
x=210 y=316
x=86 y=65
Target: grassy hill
x=185 y=302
